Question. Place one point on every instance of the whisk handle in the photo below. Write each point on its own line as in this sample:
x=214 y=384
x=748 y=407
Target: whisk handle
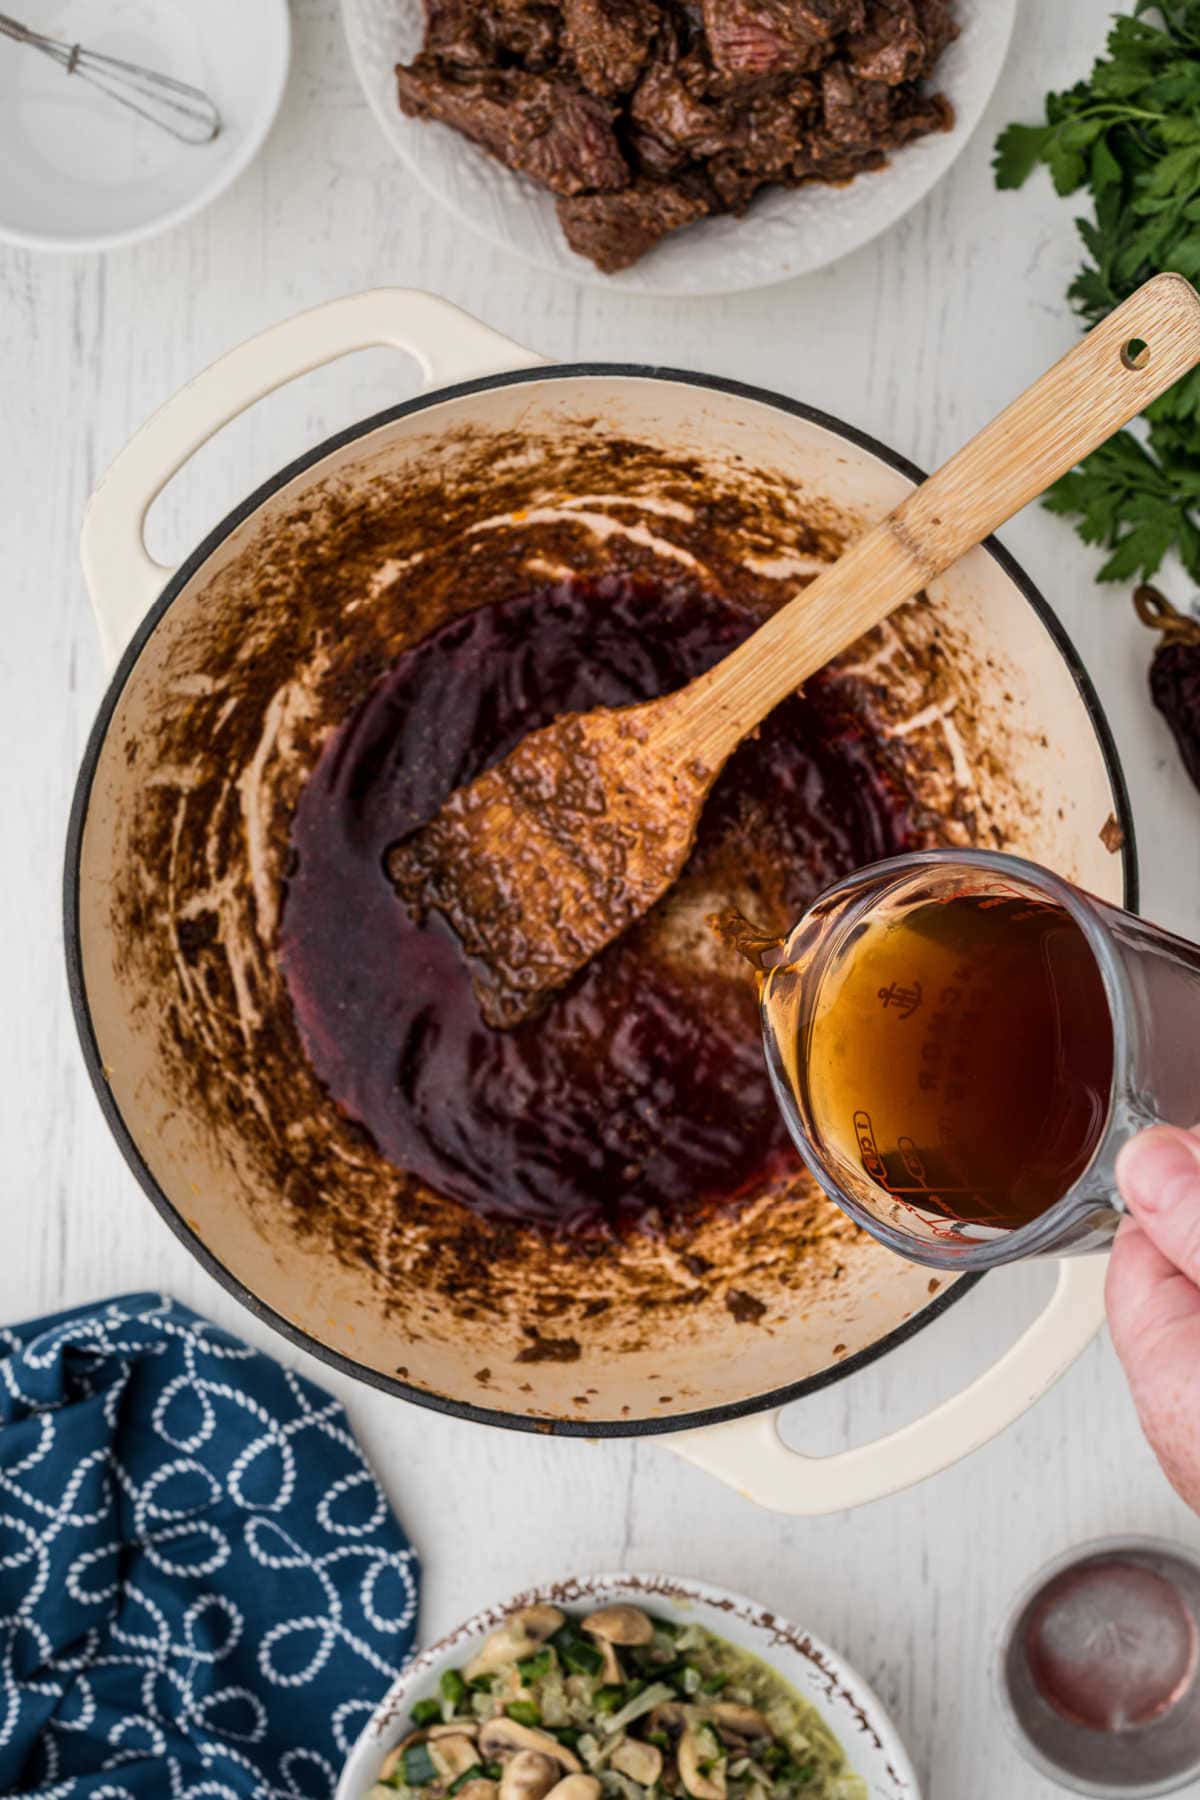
x=123 y=578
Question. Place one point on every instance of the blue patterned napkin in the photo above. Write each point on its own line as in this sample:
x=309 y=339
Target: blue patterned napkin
x=203 y=1591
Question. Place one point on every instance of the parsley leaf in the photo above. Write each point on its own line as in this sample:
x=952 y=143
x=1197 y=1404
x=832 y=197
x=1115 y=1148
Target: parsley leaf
x=1019 y=150
x=1130 y=136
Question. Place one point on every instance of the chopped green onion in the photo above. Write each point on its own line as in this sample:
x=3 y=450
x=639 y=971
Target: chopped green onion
x=607 y=1699
x=533 y=1668
x=482 y=1684
x=645 y=1702
x=419 y=1767
x=567 y=1735
x=632 y=1689
x=773 y=1757
x=690 y=1680
x=453 y=1687
x=803 y=1774
x=523 y=1712
x=471 y=1774
x=660 y=1653
x=659 y=1739
x=493 y=1770
x=427 y=1712
x=715 y=1683
x=575 y=1652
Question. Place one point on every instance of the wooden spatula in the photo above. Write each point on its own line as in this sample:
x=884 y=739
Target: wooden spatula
x=546 y=858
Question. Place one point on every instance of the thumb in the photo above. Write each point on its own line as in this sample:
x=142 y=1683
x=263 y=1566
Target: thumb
x=1154 y=1300
x=1158 y=1174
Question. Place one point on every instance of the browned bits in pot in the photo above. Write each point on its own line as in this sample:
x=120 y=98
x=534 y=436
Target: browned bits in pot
x=638 y=1095
x=247 y=676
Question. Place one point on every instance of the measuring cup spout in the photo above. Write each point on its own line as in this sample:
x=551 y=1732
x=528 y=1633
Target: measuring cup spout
x=763 y=950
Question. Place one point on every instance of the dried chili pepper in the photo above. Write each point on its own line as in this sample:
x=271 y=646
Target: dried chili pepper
x=1175 y=672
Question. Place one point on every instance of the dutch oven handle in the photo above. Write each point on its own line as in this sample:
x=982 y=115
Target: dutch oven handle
x=749 y=1454
x=122 y=577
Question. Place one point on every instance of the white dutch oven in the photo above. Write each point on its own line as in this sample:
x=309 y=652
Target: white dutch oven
x=172 y=820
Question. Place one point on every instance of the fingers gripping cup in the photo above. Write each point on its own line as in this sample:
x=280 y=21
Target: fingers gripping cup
x=961 y=1042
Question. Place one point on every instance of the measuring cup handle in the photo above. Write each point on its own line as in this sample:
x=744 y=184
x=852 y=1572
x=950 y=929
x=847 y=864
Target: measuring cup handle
x=122 y=577
x=749 y=1454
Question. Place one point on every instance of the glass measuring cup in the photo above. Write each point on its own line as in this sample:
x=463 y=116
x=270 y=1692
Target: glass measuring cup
x=916 y=1196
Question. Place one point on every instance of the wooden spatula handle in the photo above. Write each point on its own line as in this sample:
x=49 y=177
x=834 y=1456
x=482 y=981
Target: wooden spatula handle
x=1134 y=355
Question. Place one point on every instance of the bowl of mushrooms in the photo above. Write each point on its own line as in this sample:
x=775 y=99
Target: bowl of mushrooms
x=629 y=1687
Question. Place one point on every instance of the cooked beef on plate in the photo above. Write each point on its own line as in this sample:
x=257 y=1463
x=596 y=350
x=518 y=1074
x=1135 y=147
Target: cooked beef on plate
x=644 y=116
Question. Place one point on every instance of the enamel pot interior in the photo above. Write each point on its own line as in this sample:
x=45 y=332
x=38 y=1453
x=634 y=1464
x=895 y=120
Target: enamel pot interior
x=178 y=858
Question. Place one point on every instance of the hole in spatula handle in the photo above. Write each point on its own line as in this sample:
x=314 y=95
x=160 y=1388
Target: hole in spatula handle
x=1135 y=354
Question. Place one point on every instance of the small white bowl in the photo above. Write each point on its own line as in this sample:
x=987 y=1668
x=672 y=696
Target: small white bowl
x=843 y=1699
x=81 y=172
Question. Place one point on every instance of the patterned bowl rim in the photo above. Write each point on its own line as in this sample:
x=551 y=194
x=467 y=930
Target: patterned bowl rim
x=845 y=1699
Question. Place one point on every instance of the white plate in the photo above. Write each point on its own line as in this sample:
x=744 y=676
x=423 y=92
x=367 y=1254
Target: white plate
x=79 y=172
x=785 y=233
x=852 y=1711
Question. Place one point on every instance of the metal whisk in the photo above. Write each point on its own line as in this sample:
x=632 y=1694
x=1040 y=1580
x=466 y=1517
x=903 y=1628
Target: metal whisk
x=186 y=112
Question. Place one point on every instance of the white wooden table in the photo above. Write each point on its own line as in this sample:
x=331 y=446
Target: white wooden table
x=918 y=339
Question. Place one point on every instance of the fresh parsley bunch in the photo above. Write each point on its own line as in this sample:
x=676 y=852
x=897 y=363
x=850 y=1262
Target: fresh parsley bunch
x=1130 y=135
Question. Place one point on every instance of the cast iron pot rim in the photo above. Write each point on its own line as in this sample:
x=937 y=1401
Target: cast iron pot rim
x=464 y=1409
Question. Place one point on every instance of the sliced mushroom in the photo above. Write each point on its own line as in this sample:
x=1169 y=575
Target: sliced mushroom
x=746 y=1721
x=455 y=1728
x=611 y=1672
x=620 y=1625
x=479 y=1789
x=641 y=1762
x=452 y=1756
x=504 y=1737
x=575 y=1787
x=692 y=1753
x=528 y=1776
x=520 y=1635
x=670 y=1717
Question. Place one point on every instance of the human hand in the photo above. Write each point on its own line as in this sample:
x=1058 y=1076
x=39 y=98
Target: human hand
x=1153 y=1296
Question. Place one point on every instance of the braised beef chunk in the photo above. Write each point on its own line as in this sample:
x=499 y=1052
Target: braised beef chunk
x=614 y=230
x=854 y=114
x=609 y=41
x=671 y=105
x=773 y=131
x=892 y=47
x=750 y=39
x=464 y=33
x=525 y=30
x=545 y=128
x=939 y=27
x=456 y=31
x=826 y=19
x=646 y=115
